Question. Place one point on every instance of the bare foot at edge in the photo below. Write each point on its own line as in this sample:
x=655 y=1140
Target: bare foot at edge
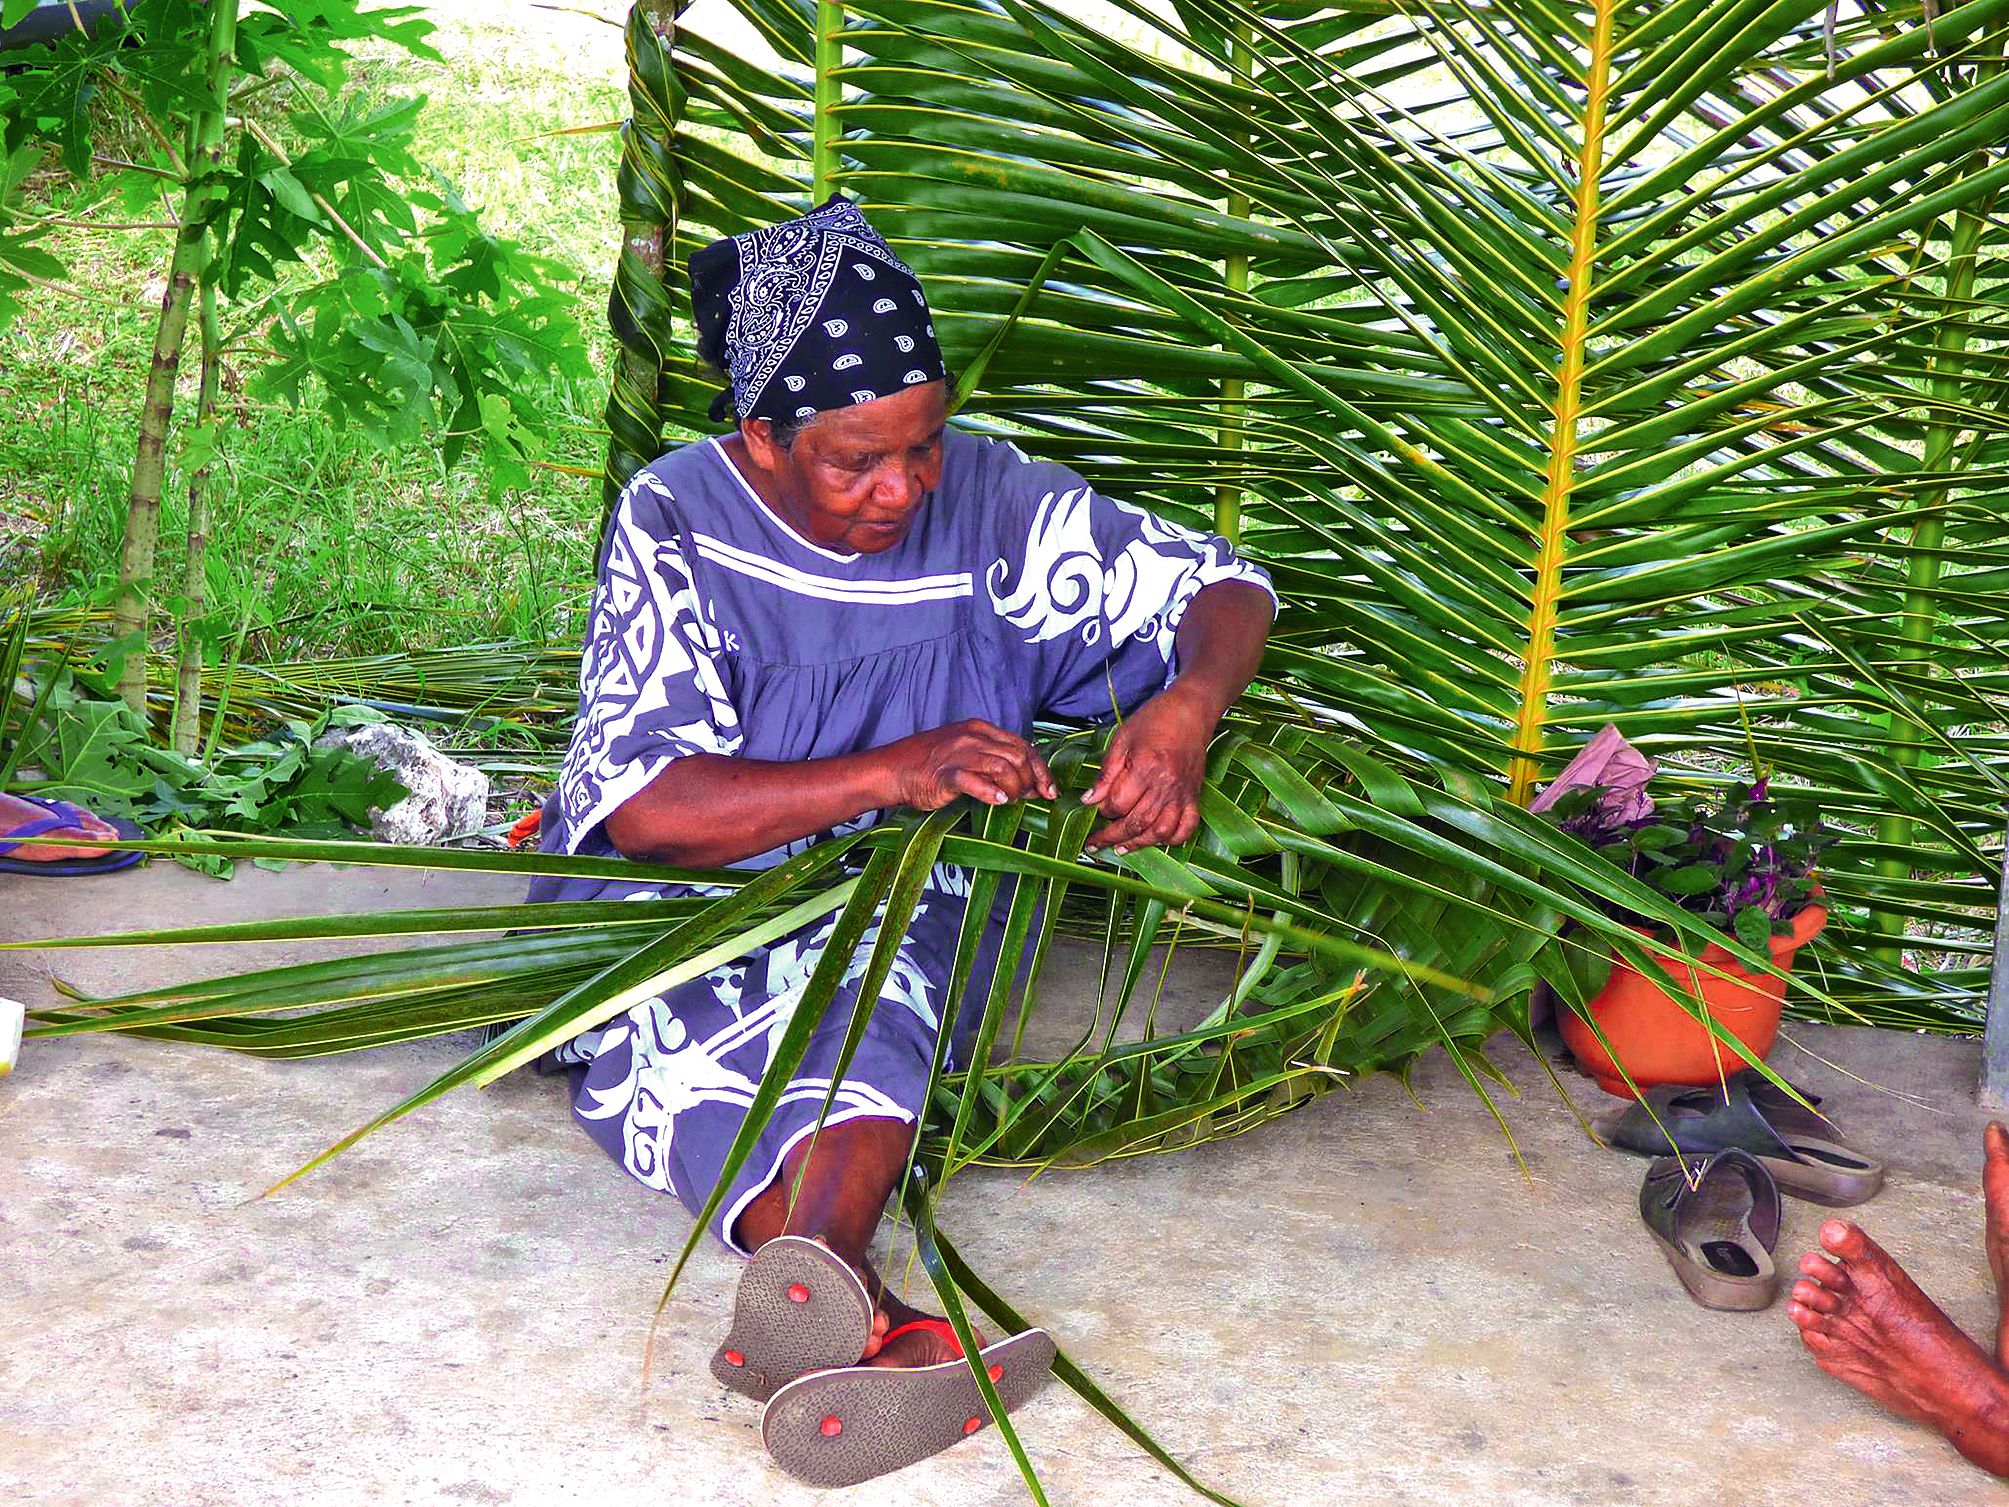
x=1995 y=1191
x=1868 y=1324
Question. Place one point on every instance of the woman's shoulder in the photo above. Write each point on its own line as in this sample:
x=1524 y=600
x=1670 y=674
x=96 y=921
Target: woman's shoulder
x=992 y=458
x=1005 y=483
x=676 y=489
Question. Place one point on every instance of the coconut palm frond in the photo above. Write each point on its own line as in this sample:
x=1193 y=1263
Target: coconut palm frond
x=1625 y=367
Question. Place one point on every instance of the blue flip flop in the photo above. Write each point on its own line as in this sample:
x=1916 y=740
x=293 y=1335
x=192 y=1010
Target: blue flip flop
x=63 y=814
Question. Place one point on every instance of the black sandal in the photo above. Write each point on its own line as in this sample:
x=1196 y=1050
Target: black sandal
x=840 y=1427
x=1798 y=1147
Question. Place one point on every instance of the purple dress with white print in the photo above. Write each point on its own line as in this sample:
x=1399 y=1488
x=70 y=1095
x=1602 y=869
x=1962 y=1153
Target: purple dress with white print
x=1018 y=591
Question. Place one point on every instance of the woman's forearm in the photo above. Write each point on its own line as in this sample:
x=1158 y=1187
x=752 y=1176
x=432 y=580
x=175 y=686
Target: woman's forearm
x=1220 y=643
x=1149 y=785
x=706 y=810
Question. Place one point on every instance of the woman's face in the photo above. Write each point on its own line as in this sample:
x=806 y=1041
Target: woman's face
x=855 y=478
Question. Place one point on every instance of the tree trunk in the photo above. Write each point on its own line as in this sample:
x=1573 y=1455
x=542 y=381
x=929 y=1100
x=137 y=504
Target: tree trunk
x=650 y=186
x=195 y=563
x=131 y=611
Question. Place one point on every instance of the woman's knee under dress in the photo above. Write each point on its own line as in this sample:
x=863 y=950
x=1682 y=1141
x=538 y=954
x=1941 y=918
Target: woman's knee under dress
x=667 y=1086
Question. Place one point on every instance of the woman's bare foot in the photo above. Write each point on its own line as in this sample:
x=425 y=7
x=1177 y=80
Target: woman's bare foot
x=1995 y=1193
x=1868 y=1324
x=841 y=1179
x=16 y=813
x=918 y=1347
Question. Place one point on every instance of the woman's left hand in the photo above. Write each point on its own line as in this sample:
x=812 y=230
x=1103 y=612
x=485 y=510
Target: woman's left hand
x=1149 y=787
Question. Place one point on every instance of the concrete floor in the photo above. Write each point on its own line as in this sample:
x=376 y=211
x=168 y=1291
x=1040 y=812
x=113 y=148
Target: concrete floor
x=1364 y=1302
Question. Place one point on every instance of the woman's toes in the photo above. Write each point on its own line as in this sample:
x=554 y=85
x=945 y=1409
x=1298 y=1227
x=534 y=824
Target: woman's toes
x=1824 y=1270
x=875 y=1338
x=1806 y=1315
x=1845 y=1241
x=1816 y=1297
x=915 y=1348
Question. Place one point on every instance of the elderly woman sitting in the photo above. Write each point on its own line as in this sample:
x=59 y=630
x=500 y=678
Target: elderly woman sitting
x=843 y=608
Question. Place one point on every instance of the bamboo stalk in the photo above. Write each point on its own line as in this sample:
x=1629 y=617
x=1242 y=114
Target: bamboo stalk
x=187 y=729
x=1918 y=628
x=650 y=185
x=132 y=609
x=1228 y=496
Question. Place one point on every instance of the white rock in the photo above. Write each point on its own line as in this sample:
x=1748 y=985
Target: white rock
x=447 y=798
x=12 y=1013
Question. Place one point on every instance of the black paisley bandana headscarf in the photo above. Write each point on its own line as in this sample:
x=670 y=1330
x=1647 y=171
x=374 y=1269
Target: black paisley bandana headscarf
x=813 y=314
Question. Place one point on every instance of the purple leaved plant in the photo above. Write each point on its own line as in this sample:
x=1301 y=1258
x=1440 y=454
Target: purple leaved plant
x=1743 y=861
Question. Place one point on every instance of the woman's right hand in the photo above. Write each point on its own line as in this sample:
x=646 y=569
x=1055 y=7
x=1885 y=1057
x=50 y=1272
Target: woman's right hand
x=971 y=758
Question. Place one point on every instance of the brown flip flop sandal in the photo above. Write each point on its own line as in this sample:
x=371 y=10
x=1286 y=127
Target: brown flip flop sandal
x=800 y=1308
x=837 y=1428
x=1717 y=1222
x=1801 y=1149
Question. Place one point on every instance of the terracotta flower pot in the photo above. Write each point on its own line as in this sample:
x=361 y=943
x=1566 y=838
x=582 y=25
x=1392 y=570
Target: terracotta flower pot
x=1655 y=1036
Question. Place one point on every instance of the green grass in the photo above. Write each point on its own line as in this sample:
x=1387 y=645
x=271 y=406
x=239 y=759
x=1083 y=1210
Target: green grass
x=322 y=543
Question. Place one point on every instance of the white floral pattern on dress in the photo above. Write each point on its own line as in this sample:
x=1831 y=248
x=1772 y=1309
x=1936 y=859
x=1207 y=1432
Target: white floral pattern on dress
x=793 y=959
x=650 y=688
x=669 y=1074
x=1132 y=582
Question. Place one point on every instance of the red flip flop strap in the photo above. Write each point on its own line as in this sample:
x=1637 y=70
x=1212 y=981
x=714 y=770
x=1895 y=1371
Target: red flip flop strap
x=940 y=1327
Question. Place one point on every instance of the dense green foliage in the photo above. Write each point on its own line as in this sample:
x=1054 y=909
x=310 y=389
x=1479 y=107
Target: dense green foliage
x=412 y=313
x=324 y=544
x=1615 y=363
x=87 y=746
x=414 y=319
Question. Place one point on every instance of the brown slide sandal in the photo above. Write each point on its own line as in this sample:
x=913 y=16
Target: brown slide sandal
x=837 y=1428
x=1718 y=1232
x=799 y=1309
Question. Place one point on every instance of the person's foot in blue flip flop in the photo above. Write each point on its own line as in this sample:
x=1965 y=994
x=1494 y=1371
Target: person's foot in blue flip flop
x=74 y=838
x=1868 y=1324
